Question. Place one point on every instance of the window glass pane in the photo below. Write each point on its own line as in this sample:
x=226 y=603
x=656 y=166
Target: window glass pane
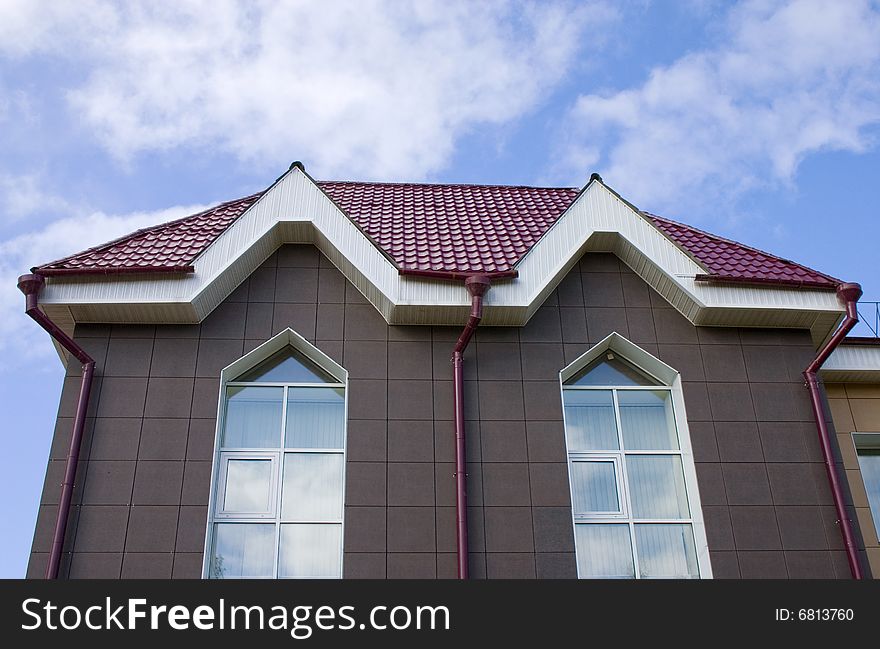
x=310 y=551
x=315 y=418
x=656 y=486
x=611 y=370
x=666 y=551
x=312 y=487
x=287 y=366
x=647 y=421
x=243 y=550
x=604 y=551
x=869 y=462
x=594 y=485
x=248 y=486
x=253 y=417
x=590 y=424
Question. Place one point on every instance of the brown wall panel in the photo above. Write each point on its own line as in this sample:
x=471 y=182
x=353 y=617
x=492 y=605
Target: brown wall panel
x=144 y=481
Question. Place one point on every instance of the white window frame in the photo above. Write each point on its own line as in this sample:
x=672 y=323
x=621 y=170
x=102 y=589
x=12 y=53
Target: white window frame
x=287 y=338
x=859 y=442
x=616 y=460
x=669 y=380
x=225 y=456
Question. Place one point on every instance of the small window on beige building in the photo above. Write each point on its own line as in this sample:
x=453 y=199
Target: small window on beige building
x=868 y=450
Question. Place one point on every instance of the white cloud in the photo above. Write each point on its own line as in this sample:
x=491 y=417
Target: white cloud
x=787 y=80
x=21 y=340
x=24 y=195
x=368 y=89
x=28 y=26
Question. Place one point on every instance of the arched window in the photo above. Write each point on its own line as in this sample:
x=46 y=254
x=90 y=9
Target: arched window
x=635 y=504
x=277 y=490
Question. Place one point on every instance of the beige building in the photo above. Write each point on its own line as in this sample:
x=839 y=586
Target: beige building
x=852 y=382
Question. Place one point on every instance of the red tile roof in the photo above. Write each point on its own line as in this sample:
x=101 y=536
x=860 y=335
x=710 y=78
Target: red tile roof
x=170 y=246
x=730 y=261
x=440 y=228
x=451 y=228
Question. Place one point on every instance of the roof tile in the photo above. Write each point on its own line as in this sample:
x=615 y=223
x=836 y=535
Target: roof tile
x=441 y=228
x=169 y=245
x=727 y=260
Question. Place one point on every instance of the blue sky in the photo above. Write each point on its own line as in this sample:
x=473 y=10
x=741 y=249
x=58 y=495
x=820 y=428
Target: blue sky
x=759 y=121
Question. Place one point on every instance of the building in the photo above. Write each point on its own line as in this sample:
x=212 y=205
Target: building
x=352 y=379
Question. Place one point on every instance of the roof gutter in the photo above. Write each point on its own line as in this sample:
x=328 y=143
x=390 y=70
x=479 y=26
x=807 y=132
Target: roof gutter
x=113 y=270
x=458 y=275
x=477 y=285
x=862 y=340
x=764 y=281
x=849 y=294
x=31 y=285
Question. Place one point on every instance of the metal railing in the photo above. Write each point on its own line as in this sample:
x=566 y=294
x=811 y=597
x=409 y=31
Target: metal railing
x=869 y=320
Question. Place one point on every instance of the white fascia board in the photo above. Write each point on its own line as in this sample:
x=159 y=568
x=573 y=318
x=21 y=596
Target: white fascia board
x=599 y=220
x=853 y=363
x=295 y=210
x=596 y=211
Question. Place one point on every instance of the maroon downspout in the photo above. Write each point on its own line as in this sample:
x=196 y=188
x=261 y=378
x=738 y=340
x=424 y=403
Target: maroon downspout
x=477 y=285
x=850 y=294
x=31 y=285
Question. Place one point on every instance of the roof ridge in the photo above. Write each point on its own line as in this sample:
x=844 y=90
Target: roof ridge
x=433 y=226
x=420 y=184
x=739 y=244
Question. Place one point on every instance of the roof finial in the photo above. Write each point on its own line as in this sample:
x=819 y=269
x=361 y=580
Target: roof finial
x=299 y=165
x=595 y=176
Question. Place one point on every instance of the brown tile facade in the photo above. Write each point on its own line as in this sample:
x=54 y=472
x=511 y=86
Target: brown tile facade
x=140 y=505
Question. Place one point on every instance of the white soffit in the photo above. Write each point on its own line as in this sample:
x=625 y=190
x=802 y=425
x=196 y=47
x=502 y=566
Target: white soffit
x=853 y=363
x=295 y=210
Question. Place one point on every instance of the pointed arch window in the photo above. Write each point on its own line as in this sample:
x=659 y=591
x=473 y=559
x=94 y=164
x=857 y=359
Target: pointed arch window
x=277 y=491
x=635 y=503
